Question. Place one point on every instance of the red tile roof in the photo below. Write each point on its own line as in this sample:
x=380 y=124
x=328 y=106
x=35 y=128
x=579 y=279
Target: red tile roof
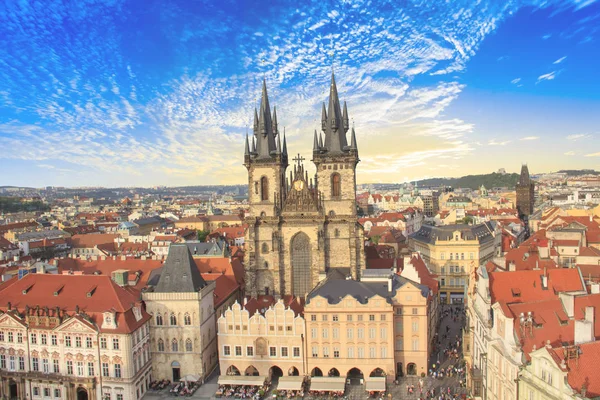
x=91 y=240
x=18 y=225
x=263 y=302
x=73 y=292
x=526 y=286
x=566 y=243
x=583 y=371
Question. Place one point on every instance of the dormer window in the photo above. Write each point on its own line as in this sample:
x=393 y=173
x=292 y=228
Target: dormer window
x=109 y=320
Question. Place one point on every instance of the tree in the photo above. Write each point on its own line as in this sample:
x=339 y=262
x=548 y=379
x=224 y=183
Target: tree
x=202 y=235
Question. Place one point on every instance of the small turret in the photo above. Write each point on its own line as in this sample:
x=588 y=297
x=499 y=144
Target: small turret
x=247 y=147
x=353 y=145
x=323 y=118
x=316 y=143
x=345 y=118
x=275 y=132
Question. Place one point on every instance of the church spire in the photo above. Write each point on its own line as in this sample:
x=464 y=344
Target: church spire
x=316 y=143
x=323 y=117
x=263 y=128
x=336 y=122
x=285 y=154
x=524 y=178
x=275 y=121
x=247 y=147
x=353 y=141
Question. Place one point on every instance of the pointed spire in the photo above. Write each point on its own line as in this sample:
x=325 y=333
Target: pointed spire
x=321 y=140
x=255 y=121
x=353 y=140
x=265 y=135
x=253 y=145
x=279 y=144
x=316 y=143
x=247 y=147
x=524 y=178
x=345 y=118
x=285 y=154
x=323 y=117
x=275 y=120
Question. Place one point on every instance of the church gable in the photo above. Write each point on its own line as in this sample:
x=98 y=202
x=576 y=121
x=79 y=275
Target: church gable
x=74 y=324
x=301 y=197
x=9 y=321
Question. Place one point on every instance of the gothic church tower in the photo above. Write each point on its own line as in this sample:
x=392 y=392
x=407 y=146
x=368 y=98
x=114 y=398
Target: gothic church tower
x=301 y=227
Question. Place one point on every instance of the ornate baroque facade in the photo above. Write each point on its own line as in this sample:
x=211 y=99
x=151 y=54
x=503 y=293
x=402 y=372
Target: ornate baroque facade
x=300 y=226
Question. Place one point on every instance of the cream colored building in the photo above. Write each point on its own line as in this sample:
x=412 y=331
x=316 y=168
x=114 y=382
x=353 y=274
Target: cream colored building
x=93 y=343
x=268 y=343
x=183 y=327
x=453 y=252
x=374 y=327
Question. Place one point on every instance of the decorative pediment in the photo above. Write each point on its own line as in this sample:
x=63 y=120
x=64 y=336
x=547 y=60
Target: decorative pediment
x=74 y=325
x=137 y=312
x=9 y=321
x=301 y=197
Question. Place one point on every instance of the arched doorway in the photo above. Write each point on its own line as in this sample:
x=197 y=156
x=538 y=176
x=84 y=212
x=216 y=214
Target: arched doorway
x=301 y=263
x=293 y=371
x=233 y=370
x=377 y=372
x=316 y=372
x=82 y=393
x=176 y=369
x=411 y=369
x=355 y=376
x=275 y=372
x=333 y=372
x=251 y=371
x=13 y=389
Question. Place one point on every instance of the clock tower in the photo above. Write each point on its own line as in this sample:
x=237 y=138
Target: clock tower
x=300 y=227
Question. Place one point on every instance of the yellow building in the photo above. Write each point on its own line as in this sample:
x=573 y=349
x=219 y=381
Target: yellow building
x=374 y=327
x=453 y=252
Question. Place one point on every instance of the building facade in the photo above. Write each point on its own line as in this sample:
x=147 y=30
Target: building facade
x=92 y=343
x=183 y=327
x=268 y=343
x=525 y=193
x=301 y=226
x=453 y=252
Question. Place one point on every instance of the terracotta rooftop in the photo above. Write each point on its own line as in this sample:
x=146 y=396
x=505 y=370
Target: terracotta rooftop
x=584 y=371
x=91 y=240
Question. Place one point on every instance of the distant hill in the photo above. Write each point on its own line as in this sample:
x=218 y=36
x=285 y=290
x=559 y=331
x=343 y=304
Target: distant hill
x=579 y=172
x=474 y=181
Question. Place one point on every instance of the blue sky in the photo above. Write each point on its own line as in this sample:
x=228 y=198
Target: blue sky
x=144 y=93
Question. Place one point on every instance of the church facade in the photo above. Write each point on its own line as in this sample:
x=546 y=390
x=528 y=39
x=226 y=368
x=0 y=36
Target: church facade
x=301 y=226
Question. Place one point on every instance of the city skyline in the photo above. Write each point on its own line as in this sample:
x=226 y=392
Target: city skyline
x=129 y=93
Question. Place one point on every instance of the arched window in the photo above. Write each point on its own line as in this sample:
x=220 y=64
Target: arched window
x=188 y=345
x=173 y=319
x=265 y=248
x=336 y=185
x=174 y=345
x=161 y=345
x=187 y=319
x=337 y=233
x=159 y=320
x=264 y=188
x=266 y=265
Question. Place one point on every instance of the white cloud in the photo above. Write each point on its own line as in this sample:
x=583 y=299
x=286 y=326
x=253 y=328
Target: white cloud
x=530 y=138
x=593 y=155
x=570 y=153
x=560 y=60
x=494 y=142
x=579 y=136
x=515 y=81
x=547 y=77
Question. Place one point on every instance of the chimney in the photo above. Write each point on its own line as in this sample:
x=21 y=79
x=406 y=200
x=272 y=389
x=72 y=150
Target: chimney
x=589 y=316
x=568 y=302
x=512 y=266
x=544 y=282
x=390 y=283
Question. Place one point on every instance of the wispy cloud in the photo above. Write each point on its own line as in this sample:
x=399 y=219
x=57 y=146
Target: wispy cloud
x=530 y=138
x=560 y=60
x=494 y=142
x=515 y=81
x=593 y=155
x=570 y=153
x=579 y=136
x=548 y=77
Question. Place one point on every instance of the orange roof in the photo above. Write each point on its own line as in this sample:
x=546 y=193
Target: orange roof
x=91 y=240
x=263 y=302
x=589 y=252
x=584 y=370
x=73 y=292
x=18 y=225
x=566 y=243
x=231 y=231
x=427 y=278
x=526 y=286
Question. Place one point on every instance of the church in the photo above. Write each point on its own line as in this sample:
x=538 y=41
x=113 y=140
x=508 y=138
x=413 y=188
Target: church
x=301 y=226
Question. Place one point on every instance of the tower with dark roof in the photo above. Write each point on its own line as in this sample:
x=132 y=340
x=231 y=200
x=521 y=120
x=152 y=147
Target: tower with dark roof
x=525 y=189
x=301 y=226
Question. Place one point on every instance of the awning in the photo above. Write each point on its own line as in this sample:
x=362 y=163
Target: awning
x=290 y=383
x=375 y=384
x=327 y=384
x=190 y=378
x=241 y=380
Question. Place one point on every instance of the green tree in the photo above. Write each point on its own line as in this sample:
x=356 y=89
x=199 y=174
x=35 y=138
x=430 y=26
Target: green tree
x=202 y=235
